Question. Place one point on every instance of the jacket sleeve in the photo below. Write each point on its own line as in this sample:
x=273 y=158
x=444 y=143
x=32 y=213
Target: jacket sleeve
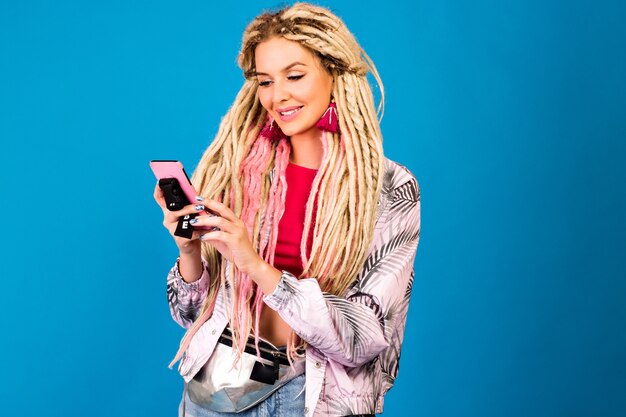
x=185 y=299
x=354 y=329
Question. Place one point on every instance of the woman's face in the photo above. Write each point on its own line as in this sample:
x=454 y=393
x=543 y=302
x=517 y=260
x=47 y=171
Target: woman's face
x=292 y=78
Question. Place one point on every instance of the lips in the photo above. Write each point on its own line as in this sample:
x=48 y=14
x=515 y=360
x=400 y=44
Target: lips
x=289 y=113
x=288 y=110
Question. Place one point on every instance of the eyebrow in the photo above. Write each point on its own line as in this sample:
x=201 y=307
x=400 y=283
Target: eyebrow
x=284 y=69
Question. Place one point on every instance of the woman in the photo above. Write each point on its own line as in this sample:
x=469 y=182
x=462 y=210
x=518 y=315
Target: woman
x=311 y=261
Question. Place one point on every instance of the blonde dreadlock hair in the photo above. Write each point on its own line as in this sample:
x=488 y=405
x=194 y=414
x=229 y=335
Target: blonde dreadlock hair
x=235 y=169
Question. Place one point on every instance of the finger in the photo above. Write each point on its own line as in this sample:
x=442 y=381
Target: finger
x=173 y=216
x=222 y=210
x=214 y=235
x=158 y=196
x=214 y=221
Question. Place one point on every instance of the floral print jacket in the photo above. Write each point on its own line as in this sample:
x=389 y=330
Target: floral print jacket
x=354 y=341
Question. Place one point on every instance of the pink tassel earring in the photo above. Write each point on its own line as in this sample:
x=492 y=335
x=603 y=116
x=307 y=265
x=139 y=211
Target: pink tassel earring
x=329 y=120
x=272 y=131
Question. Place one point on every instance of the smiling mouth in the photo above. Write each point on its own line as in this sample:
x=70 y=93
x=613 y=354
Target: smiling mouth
x=290 y=112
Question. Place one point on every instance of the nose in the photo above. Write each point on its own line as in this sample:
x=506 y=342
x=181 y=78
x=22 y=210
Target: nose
x=281 y=93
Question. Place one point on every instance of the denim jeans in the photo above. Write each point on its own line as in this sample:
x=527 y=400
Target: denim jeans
x=287 y=401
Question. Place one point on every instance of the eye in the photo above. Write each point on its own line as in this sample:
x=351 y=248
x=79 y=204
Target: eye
x=266 y=83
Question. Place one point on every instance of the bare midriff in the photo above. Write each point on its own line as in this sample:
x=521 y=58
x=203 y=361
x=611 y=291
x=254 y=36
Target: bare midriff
x=273 y=328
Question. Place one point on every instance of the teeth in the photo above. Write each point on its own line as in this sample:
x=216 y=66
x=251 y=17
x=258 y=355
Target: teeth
x=289 y=113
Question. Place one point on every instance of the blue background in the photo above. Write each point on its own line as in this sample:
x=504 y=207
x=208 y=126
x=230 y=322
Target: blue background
x=511 y=114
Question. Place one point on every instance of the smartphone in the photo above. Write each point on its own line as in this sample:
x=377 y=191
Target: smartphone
x=171 y=174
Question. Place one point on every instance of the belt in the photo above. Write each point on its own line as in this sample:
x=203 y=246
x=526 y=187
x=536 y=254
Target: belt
x=267 y=350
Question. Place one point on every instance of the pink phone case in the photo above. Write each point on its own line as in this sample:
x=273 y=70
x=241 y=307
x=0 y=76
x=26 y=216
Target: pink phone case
x=174 y=169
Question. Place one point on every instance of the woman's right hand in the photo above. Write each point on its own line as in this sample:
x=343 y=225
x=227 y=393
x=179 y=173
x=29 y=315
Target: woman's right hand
x=170 y=221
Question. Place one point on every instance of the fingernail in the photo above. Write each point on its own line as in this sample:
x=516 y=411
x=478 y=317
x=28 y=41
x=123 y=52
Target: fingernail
x=193 y=221
x=199 y=207
x=199 y=198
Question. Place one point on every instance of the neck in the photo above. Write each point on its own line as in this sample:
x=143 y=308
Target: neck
x=306 y=149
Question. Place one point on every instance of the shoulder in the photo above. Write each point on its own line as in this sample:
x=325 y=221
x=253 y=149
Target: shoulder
x=399 y=181
x=399 y=195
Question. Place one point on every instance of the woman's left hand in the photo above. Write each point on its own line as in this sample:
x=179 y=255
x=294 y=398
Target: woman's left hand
x=232 y=240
